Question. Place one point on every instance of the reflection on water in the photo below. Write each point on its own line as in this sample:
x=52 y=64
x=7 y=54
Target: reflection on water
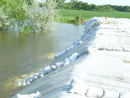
x=21 y=55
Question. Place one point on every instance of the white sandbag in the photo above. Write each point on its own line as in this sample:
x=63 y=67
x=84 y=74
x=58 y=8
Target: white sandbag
x=75 y=55
x=94 y=92
x=32 y=76
x=53 y=67
x=30 y=80
x=41 y=74
x=58 y=54
x=78 y=87
x=110 y=94
x=47 y=70
x=76 y=42
x=27 y=81
x=66 y=61
x=125 y=95
x=72 y=47
x=20 y=83
x=33 y=95
x=71 y=59
x=36 y=75
x=63 y=52
x=24 y=83
x=59 y=64
x=68 y=49
x=80 y=42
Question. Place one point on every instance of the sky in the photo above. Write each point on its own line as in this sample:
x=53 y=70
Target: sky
x=101 y=2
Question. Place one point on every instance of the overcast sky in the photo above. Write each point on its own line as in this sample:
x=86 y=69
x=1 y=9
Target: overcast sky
x=112 y=2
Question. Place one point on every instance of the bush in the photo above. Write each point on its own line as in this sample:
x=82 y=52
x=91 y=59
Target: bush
x=4 y=20
x=28 y=17
x=40 y=19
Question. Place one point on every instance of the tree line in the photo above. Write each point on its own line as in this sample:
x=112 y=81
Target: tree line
x=79 y=5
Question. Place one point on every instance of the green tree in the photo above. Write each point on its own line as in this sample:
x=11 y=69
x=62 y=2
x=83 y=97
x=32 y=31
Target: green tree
x=73 y=3
x=85 y=6
x=93 y=6
x=60 y=3
x=80 y=5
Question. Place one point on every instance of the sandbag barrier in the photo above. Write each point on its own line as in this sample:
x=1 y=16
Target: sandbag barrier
x=55 y=66
x=81 y=89
x=88 y=27
x=48 y=69
x=76 y=43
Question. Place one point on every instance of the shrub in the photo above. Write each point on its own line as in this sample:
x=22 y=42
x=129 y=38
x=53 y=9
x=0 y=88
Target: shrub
x=4 y=20
x=28 y=17
x=41 y=19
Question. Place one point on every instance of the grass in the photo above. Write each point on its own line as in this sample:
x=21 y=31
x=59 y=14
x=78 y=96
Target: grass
x=68 y=16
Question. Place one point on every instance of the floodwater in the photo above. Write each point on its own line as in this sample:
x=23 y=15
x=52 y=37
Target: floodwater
x=22 y=55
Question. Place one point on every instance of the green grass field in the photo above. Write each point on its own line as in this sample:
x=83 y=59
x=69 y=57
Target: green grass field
x=68 y=15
